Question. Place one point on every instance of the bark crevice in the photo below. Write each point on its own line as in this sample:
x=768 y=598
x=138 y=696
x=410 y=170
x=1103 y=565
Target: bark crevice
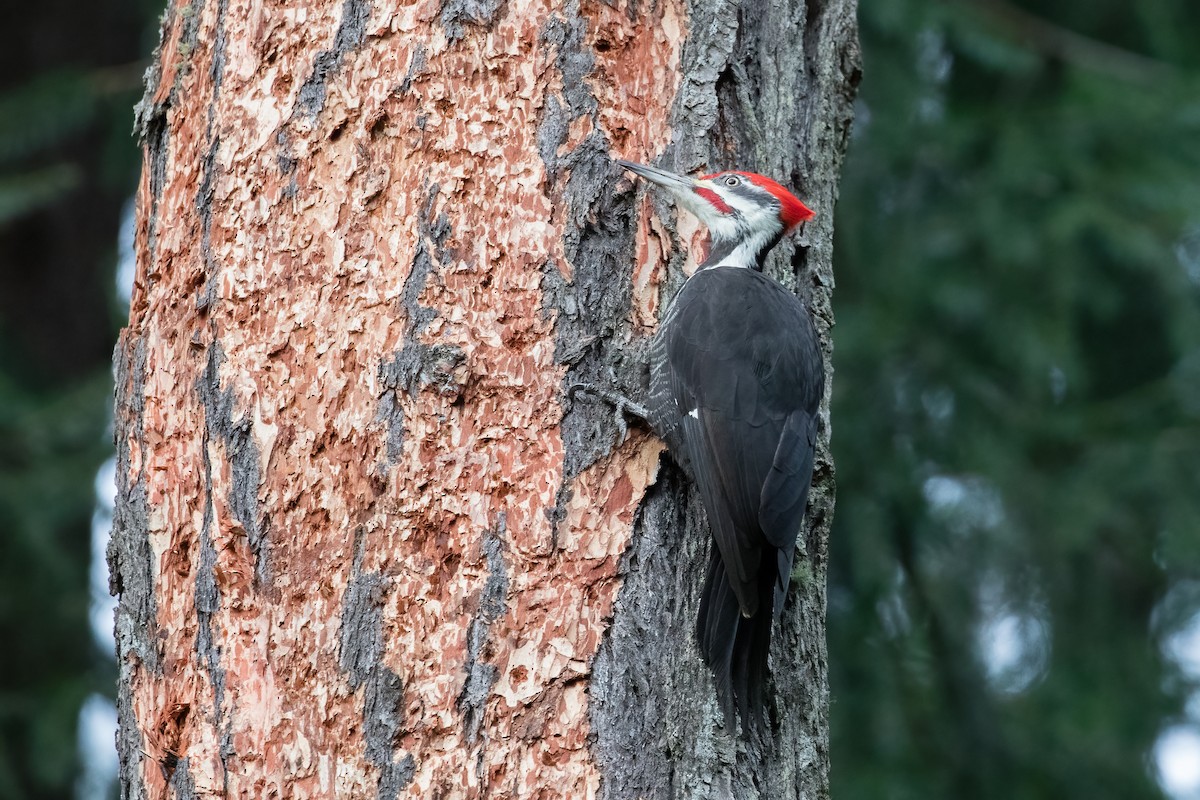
x=204 y=201
x=458 y=14
x=241 y=451
x=350 y=33
x=150 y=125
x=419 y=365
x=218 y=426
x=481 y=674
x=181 y=781
x=360 y=656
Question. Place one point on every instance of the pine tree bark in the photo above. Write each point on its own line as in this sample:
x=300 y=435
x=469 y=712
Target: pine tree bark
x=365 y=545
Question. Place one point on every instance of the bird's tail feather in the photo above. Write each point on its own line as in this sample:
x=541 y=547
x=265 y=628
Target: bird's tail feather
x=716 y=631
x=736 y=647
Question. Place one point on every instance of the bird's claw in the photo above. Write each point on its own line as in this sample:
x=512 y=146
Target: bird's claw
x=622 y=405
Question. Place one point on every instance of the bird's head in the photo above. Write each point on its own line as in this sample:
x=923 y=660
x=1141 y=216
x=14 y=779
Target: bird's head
x=746 y=214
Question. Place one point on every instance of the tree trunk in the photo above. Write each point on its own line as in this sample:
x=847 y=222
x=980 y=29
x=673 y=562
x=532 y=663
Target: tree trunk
x=365 y=546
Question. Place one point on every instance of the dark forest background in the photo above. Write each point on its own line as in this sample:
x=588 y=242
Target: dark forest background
x=1015 y=581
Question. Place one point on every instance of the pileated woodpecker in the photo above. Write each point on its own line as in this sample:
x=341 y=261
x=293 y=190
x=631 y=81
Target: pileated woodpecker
x=736 y=376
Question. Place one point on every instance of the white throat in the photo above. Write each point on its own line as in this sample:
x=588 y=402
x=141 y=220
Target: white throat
x=746 y=252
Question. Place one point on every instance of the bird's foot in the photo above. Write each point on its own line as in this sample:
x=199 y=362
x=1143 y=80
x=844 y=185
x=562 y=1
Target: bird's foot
x=622 y=405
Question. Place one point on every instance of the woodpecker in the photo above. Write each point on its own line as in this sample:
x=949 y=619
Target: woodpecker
x=736 y=378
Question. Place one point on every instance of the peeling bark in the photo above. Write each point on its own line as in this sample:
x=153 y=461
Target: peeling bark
x=365 y=545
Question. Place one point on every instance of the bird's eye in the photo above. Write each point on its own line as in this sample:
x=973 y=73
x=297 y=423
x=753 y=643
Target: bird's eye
x=732 y=180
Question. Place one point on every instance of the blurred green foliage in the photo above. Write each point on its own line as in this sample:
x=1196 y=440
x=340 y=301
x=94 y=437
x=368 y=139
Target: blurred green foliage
x=1016 y=411
x=70 y=76
x=35 y=118
x=1017 y=400
x=51 y=443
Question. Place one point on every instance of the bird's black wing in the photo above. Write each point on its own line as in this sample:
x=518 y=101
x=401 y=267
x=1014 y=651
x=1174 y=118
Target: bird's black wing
x=745 y=373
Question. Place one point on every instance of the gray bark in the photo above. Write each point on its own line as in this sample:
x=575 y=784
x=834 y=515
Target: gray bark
x=768 y=88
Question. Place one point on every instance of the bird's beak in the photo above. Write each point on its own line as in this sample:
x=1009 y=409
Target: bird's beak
x=686 y=192
x=676 y=184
